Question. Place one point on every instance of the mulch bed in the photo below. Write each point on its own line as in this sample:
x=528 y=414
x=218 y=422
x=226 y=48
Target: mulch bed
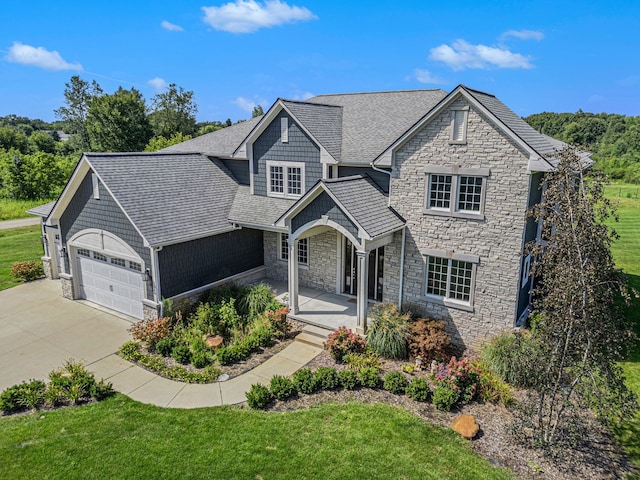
x=598 y=457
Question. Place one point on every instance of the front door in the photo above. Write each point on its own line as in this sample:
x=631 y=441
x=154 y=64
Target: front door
x=376 y=271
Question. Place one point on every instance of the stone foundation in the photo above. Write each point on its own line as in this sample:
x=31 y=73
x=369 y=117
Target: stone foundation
x=68 y=291
x=46 y=265
x=149 y=311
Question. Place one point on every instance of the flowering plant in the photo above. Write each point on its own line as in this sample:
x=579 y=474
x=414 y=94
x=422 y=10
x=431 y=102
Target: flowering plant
x=277 y=321
x=343 y=341
x=460 y=376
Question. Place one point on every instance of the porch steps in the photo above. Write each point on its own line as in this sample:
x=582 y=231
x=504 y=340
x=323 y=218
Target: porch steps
x=313 y=335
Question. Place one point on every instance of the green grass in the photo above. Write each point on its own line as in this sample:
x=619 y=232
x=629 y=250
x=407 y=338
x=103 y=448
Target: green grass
x=626 y=252
x=17 y=245
x=13 y=209
x=120 y=438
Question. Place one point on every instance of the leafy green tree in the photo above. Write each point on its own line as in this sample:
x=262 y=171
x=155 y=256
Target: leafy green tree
x=42 y=142
x=118 y=122
x=78 y=96
x=580 y=326
x=208 y=127
x=257 y=111
x=158 y=143
x=174 y=111
x=11 y=138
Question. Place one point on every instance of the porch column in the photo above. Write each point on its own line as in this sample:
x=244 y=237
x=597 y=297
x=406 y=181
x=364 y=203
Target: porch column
x=293 y=275
x=362 y=259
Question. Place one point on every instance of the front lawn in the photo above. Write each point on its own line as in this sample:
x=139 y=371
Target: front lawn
x=120 y=438
x=14 y=209
x=16 y=245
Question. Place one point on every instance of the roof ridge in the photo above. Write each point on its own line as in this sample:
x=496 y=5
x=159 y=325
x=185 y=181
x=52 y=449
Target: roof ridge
x=304 y=102
x=378 y=92
x=138 y=154
x=475 y=90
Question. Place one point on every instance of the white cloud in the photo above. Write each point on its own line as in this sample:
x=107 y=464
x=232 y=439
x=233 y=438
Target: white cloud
x=158 y=84
x=523 y=34
x=461 y=55
x=39 y=57
x=425 y=76
x=172 y=27
x=248 y=16
x=248 y=105
x=302 y=96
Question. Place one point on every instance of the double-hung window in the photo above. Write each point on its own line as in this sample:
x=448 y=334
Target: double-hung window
x=303 y=249
x=455 y=191
x=450 y=278
x=285 y=179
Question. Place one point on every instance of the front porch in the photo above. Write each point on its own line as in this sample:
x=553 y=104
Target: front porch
x=315 y=307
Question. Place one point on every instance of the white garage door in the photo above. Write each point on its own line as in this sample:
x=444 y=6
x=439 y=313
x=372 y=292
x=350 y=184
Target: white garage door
x=113 y=282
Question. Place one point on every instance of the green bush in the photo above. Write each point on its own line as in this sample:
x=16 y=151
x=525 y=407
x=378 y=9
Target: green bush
x=277 y=321
x=206 y=318
x=348 y=379
x=181 y=354
x=282 y=388
x=370 y=377
x=27 y=271
x=165 y=346
x=326 y=378
x=494 y=389
x=444 y=397
x=130 y=351
x=418 y=389
x=200 y=359
x=101 y=390
x=395 y=382
x=389 y=331
x=256 y=300
x=233 y=353
x=342 y=342
x=368 y=358
x=305 y=381
x=258 y=396
x=11 y=399
x=515 y=357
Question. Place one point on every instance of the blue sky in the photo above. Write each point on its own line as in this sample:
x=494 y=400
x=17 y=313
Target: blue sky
x=534 y=55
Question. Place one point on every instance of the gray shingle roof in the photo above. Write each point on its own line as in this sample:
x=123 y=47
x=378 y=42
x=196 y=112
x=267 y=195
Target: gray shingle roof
x=373 y=121
x=256 y=210
x=169 y=197
x=324 y=122
x=366 y=203
x=42 y=210
x=222 y=142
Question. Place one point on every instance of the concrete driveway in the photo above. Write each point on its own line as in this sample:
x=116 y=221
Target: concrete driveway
x=40 y=330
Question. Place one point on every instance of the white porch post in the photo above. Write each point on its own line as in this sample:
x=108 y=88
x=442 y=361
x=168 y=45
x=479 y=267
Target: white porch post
x=293 y=275
x=363 y=291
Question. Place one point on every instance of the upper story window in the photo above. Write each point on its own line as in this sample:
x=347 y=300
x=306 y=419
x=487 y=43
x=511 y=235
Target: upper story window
x=96 y=186
x=303 y=249
x=284 y=129
x=285 y=179
x=450 y=278
x=455 y=192
x=459 y=125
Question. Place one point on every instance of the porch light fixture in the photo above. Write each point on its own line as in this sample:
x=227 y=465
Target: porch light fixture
x=147 y=275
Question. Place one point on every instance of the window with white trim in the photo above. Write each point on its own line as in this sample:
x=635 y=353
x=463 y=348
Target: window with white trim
x=135 y=266
x=99 y=256
x=450 y=278
x=303 y=249
x=455 y=192
x=285 y=179
x=459 y=126
x=83 y=252
x=121 y=262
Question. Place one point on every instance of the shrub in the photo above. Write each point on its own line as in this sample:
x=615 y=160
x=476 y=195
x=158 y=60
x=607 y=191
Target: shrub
x=429 y=340
x=32 y=395
x=389 y=331
x=344 y=341
x=165 y=346
x=233 y=353
x=101 y=390
x=418 y=389
x=256 y=299
x=258 y=396
x=460 y=376
x=282 y=388
x=263 y=336
x=130 y=351
x=277 y=321
x=327 y=378
x=207 y=319
x=181 y=354
x=395 y=382
x=229 y=315
x=27 y=271
x=348 y=379
x=370 y=377
x=368 y=358
x=151 y=331
x=493 y=389
x=200 y=359
x=11 y=399
x=305 y=381
x=444 y=397
x=515 y=357
x=54 y=395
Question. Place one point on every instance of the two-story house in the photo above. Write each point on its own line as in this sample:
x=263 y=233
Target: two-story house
x=413 y=197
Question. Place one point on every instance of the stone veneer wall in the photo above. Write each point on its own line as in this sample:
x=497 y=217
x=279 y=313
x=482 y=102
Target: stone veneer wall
x=46 y=265
x=66 y=281
x=496 y=240
x=321 y=273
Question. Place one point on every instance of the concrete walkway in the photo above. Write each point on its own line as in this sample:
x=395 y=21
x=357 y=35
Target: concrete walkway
x=21 y=222
x=40 y=330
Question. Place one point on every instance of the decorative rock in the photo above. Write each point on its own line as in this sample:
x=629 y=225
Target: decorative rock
x=465 y=425
x=214 y=342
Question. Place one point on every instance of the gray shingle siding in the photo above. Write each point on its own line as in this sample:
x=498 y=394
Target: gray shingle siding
x=323 y=205
x=381 y=179
x=84 y=212
x=239 y=169
x=300 y=148
x=189 y=265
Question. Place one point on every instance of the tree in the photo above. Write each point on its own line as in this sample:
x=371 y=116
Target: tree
x=118 y=122
x=257 y=111
x=10 y=138
x=42 y=142
x=158 y=143
x=78 y=96
x=580 y=326
x=174 y=111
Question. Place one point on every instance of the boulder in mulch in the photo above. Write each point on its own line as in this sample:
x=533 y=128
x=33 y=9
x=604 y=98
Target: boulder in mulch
x=465 y=425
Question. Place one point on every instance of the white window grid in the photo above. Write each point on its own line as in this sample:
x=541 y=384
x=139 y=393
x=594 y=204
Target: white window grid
x=440 y=191
x=285 y=179
x=277 y=179
x=303 y=249
x=449 y=278
x=470 y=193
x=121 y=262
